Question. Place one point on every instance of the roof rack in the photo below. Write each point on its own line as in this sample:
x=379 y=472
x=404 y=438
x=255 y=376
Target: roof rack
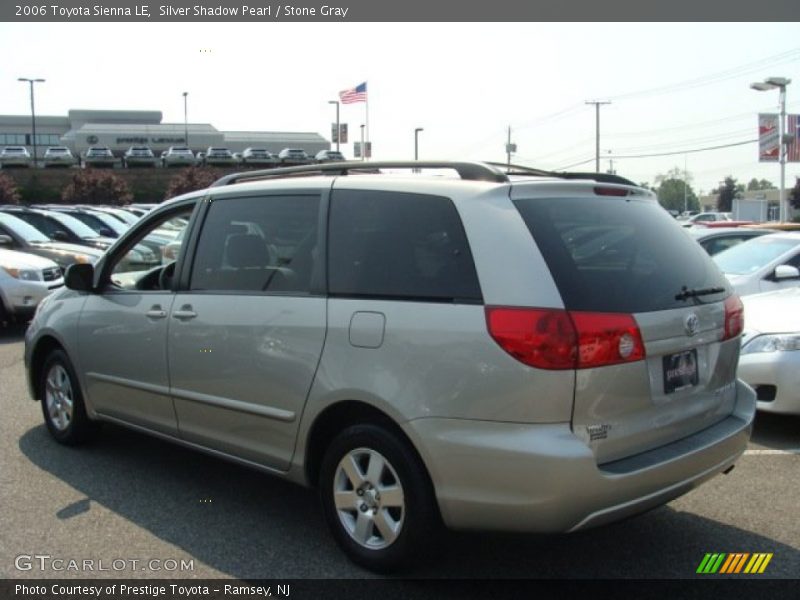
x=473 y=171
x=509 y=169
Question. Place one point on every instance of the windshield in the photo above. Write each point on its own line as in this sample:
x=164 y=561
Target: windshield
x=27 y=232
x=750 y=256
x=77 y=227
x=111 y=222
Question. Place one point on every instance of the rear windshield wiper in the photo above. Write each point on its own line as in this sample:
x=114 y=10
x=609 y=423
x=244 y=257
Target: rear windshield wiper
x=687 y=293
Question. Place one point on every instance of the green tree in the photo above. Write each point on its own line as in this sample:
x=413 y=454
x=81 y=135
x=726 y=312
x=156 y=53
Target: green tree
x=191 y=179
x=756 y=185
x=727 y=192
x=674 y=191
x=9 y=191
x=95 y=186
x=794 y=195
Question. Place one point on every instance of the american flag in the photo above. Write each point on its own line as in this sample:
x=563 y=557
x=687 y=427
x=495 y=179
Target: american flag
x=353 y=95
x=793 y=148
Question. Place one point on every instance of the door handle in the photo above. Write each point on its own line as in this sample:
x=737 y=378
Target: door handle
x=185 y=312
x=156 y=312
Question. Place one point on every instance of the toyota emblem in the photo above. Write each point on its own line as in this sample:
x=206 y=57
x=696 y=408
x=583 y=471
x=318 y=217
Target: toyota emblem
x=691 y=324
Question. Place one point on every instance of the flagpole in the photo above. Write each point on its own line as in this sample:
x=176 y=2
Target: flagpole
x=366 y=106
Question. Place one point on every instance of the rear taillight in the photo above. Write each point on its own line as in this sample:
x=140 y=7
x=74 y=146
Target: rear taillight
x=559 y=339
x=734 y=317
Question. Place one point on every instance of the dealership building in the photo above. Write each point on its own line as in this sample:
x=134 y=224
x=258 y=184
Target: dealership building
x=121 y=129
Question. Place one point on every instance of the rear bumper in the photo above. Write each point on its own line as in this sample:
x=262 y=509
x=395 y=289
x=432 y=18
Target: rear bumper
x=542 y=478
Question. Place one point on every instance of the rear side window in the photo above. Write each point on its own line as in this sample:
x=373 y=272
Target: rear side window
x=258 y=244
x=609 y=254
x=396 y=245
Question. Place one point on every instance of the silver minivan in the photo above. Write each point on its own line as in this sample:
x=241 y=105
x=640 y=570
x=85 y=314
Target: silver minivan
x=519 y=351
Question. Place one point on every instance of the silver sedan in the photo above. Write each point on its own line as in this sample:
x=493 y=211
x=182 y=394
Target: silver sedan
x=770 y=357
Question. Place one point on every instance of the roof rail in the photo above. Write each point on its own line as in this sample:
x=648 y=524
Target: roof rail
x=473 y=171
x=523 y=170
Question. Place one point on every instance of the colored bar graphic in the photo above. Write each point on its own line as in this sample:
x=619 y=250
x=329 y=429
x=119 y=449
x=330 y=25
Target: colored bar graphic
x=727 y=564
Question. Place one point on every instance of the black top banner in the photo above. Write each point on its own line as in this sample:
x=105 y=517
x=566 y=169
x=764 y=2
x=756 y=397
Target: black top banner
x=407 y=10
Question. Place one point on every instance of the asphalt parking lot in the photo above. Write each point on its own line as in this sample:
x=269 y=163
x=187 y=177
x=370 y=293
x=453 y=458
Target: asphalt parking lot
x=130 y=497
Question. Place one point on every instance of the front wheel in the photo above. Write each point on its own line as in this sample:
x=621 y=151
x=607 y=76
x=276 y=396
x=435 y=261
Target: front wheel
x=377 y=498
x=62 y=401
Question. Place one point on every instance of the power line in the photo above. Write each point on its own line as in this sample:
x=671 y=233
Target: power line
x=688 y=151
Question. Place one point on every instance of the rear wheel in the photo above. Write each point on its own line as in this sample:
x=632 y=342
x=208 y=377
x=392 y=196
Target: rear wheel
x=62 y=401
x=377 y=498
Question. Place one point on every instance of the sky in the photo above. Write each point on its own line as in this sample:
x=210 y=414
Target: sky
x=673 y=87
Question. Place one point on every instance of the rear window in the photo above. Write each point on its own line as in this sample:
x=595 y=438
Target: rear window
x=609 y=254
x=400 y=246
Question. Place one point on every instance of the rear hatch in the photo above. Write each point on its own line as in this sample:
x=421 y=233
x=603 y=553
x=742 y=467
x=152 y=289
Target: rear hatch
x=656 y=322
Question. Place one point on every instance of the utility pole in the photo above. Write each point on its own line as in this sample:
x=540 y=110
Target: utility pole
x=509 y=148
x=597 y=132
x=33 y=115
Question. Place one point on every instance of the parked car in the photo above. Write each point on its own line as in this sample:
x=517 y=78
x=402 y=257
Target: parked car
x=99 y=157
x=770 y=358
x=16 y=234
x=58 y=156
x=705 y=217
x=15 y=156
x=356 y=334
x=329 y=156
x=25 y=279
x=178 y=156
x=715 y=240
x=139 y=156
x=103 y=224
x=763 y=264
x=293 y=156
x=220 y=157
x=62 y=227
x=258 y=157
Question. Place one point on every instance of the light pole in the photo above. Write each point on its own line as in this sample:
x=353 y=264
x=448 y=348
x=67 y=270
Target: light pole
x=338 y=127
x=363 y=148
x=416 y=142
x=779 y=83
x=185 y=120
x=33 y=114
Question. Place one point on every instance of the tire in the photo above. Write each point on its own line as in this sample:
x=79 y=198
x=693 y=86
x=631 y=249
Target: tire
x=387 y=517
x=62 y=402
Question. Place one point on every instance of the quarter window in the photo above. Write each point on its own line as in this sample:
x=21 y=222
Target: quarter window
x=258 y=244
x=396 y=245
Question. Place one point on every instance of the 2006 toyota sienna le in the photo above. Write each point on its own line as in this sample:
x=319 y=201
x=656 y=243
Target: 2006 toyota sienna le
x=522 y=350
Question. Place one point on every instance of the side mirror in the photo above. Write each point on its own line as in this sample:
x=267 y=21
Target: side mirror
x=60 y=236
x=786 y=272
x=79 y=277
x=5 y=240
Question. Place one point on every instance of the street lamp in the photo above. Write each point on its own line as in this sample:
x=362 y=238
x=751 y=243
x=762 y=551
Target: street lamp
x=338 y=127
x=33 y=114
x=779 y=83
x=185 y=120
x=416 y=142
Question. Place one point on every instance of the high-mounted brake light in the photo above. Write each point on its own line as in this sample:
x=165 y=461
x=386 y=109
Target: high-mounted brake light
x=560 y=339
x=610 y=191
x=734 y=317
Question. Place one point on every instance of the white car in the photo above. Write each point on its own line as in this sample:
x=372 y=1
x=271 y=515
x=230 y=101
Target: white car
x=219 y=157
x=770 y=355
x=99 y=157
x=25 y=279
x=258 y=156
x=15 y=156
x=705 y=217
x=139 y=156
x=58 y=156
x=763 y=264
x=178 y=156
